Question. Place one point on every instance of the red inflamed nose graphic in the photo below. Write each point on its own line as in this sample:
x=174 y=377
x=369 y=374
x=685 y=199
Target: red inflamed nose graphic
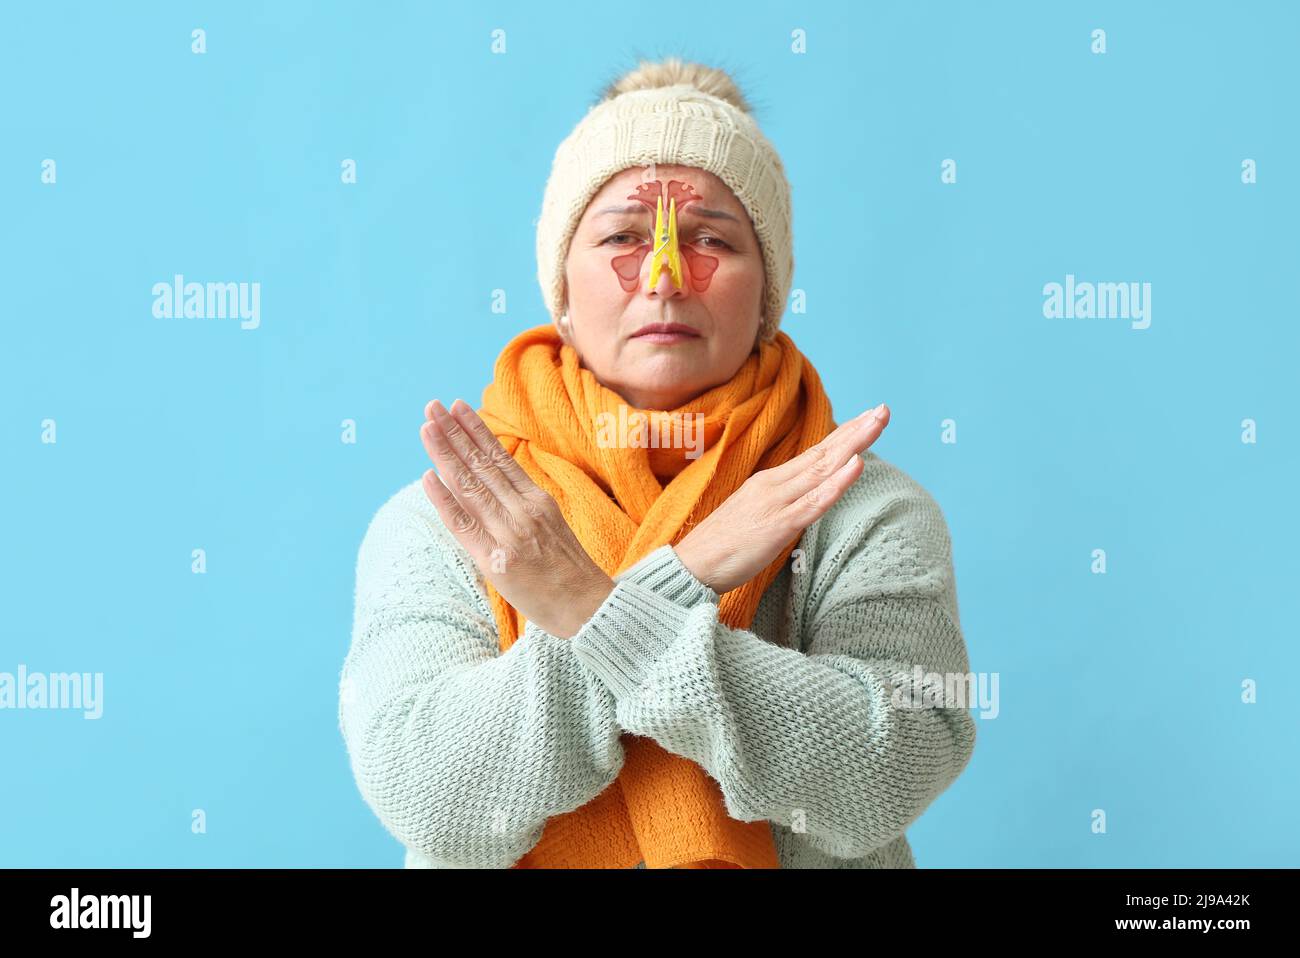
x=700 y=266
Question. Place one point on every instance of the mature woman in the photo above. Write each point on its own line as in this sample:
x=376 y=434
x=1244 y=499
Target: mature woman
x=654 y=608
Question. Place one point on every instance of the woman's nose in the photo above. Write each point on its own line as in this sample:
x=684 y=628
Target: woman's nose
x=663 y=287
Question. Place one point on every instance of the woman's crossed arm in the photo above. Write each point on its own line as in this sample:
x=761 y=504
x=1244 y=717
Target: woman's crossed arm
x=834 y=740
x=463 y=752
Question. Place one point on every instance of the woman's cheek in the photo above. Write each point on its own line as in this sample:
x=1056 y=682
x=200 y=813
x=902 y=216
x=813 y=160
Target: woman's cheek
x=732 y=281
x=701 y=267
x=627 y=267
x=595 y=280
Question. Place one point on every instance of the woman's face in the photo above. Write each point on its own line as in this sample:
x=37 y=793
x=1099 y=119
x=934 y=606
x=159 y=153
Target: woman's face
x=610 y=301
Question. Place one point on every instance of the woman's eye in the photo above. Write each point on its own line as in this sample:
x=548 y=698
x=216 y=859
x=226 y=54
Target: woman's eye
x=624 y=236
x=721 y=244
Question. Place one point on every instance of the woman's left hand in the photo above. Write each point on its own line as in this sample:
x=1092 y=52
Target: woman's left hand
x=511 y=527
x=743 y=535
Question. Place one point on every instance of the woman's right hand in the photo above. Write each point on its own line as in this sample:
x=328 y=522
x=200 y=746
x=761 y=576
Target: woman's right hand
x=743 y=535
x=512 y=529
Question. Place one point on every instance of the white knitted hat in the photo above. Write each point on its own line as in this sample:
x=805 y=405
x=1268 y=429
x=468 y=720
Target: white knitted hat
x=670 y=113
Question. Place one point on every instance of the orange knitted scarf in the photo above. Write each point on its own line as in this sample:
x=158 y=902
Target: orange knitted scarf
x=545 y=408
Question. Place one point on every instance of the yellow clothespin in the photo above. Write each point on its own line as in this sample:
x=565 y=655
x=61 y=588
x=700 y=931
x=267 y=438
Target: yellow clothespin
x=666 y=245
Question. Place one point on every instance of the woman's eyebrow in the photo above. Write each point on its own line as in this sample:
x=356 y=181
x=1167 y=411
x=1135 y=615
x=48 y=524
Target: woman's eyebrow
x=686 y=211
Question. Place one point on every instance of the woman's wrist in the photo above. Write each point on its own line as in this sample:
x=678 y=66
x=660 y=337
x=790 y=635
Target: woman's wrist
x=577 y=606
x=696 y=562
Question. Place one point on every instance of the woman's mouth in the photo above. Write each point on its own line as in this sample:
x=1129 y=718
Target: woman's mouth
x=666 y=333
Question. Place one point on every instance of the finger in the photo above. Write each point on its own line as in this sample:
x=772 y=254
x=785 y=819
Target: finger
x=481 y=469
x=469 y=489
x=814 y=503
x=488 y=442
x=463 y=525
x=815 y=464
x=799 y=463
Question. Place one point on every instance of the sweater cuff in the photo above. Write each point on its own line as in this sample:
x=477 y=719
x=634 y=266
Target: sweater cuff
x=663 y=572
x=628 y=634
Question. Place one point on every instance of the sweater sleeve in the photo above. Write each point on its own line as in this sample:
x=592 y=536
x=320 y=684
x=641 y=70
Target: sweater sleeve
x=814 y=739
x=461 y=751
x=662 y=572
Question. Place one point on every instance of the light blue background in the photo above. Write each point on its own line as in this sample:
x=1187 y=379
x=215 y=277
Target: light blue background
x=1118 y=691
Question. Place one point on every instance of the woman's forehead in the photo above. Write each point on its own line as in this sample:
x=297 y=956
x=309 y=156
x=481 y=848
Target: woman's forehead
x=616 y=198
x=707 y=185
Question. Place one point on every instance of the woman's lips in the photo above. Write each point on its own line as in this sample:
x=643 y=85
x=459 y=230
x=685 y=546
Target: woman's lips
x=665 y=333
x=665 y=337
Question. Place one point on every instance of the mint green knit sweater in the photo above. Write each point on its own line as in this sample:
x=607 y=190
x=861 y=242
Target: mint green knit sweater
x=463 y=753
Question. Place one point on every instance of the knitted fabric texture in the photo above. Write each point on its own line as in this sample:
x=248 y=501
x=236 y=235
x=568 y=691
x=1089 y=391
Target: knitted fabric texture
x=464 y=753
x=545 y=408
x=676 y=124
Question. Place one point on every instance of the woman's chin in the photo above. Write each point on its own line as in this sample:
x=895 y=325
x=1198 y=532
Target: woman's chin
x=660 y=392
x=666 y=371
